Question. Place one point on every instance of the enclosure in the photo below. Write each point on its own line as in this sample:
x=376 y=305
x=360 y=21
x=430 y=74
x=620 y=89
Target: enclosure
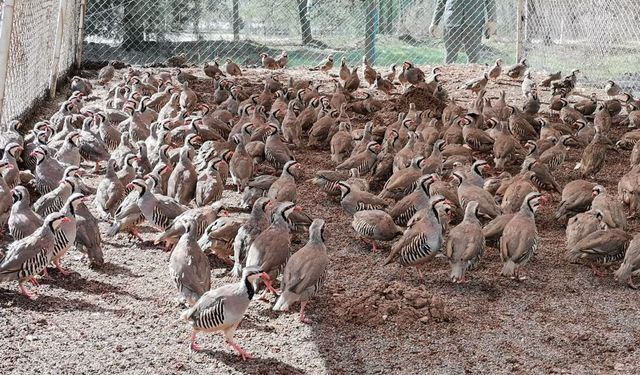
x=368 y=318
x=600 y=37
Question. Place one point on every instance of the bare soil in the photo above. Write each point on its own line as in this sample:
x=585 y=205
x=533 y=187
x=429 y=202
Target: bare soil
x=123 y=318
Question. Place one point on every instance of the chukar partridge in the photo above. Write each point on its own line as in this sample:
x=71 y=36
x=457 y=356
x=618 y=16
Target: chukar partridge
x=218 y=238
x=29 y=256
x=423 y=238
x=601 y=247
x=611 y=208
x=22 y=221
x=354 y=200
x=631 y=263
x=189 y=266
x=198 y=218
x=284 y=188
x=223 y=308
x=158 y=210
x=305 y=271
x=520 y=237
x=465 y=243
x=258 y=221
x=577 y=196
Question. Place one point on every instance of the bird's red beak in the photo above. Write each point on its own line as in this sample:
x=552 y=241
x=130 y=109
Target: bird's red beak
x=297 y=209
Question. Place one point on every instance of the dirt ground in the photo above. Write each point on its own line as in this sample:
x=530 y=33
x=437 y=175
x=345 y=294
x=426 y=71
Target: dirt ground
x=369 y=318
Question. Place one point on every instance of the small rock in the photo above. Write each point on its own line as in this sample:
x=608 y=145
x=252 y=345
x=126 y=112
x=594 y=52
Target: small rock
x=425 y=319
x=420 y=303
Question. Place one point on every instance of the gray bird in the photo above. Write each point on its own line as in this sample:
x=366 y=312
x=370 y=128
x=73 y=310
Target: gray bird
x=66 y=234
x=5 y=195
x=189 y=266
x=158 y=210
x=182 y=182
x=11 y=153
x=465 y=243
x=223 y=308
x=209 y=186
x=69 y=152
x=29 y=256
x=55 y=199
x=110 y=191
x=199 y=218
x=258 y=221
x=270 y=249
x=88 y=237
x=284 y=189
x=22 y=221
x=48 y=171
x=305 y=271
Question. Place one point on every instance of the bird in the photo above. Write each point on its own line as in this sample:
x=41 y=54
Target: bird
x=22 y=220
x=354 y=200
x=630 y=264
x=612 y=88
x=222 y=309
x=326 y=66
x=29 y=256
x=375 y=225
x=257 y=222
x=465 y=243
x=577 y=196
x=189 y=267
x=601 y=247
x=232 y=68
x=496 y=70
x=423 y=238
x=477 y=84
x=269 y=251
x=517 y=71
x=284 y=188
x=305 y=272
x=611 y=208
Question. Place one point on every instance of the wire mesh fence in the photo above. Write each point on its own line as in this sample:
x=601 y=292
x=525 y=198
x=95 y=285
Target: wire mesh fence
x=31 y=52
x=387 y=31
x=601 y=38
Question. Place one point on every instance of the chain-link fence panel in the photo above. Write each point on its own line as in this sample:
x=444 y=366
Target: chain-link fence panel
x=31 y=52
x=601 y=38
x=387 y=31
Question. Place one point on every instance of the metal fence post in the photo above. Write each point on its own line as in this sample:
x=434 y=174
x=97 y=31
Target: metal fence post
x=520 y=24
x=83 y=10
x=371 y=30
x=56 y=50
x=5 y=31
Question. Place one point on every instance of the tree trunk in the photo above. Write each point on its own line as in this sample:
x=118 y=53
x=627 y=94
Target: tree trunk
x=236 y=20
x=133 y=36
x=371 y=30
x=305 y=23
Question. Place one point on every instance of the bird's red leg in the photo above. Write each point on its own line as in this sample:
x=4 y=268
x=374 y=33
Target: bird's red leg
x=34 y=281
x=244 y=354
x=597 y=271
x=302 y=317
x=194 y=345
x=25 y=292
x=64 y=272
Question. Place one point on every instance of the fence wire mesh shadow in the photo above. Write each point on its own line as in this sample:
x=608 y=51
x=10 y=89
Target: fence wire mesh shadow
x=31 y=50
x=387 y=31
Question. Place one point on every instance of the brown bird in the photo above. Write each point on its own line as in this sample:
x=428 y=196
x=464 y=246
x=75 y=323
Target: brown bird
x=368 y=72
x=577 y=196
x=269 y=62
x=601 y=247
x=344 y=73
x=594 y=154
x=325 y=66
x=353 y=82
x=305 y=271
x=517 y=71
x=520 y=237
x=495 y=70
x=465 y=244
x=232 y=68
x=631 y=263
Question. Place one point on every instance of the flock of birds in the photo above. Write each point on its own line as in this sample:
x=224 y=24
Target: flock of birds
x=168 y=156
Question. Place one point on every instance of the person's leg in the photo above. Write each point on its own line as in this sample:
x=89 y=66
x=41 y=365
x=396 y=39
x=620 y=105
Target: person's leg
x=451 y=44
x=473 y=44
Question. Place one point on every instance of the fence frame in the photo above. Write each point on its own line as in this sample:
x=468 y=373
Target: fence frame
x=5 y=30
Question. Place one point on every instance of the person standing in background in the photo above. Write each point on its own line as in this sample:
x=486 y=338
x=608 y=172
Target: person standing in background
x=464 y=23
